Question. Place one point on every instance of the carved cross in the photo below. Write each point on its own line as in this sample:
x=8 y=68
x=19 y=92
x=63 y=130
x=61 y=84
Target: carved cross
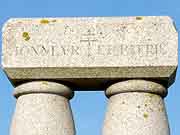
x=89 y=38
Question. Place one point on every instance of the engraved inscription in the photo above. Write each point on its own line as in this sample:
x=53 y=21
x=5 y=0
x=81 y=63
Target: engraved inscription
x=68 y=29
x=101 y=40
x=89 y=39
x=139 y=50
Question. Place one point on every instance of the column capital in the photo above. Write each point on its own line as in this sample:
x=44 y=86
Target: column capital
x=43 y=107
x=43 y=87
x=136 y=86
x=132 y=110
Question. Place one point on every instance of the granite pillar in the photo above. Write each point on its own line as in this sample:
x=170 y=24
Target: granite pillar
x=42 y=109
x=136 y=107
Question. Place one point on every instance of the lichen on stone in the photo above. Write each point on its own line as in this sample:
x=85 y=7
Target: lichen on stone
x=26 y=36
x=139 y=18
x=54 y=20
x=161 y=109
x=44 y=21
x=45 y=83
x=151 y=96
x=145 y=115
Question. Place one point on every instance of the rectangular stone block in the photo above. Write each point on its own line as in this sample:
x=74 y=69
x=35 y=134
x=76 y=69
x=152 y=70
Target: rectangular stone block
x=90 y=52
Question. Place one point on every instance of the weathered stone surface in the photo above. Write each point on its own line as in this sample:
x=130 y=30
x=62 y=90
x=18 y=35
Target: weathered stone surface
x=42 y=108
x=90 y=52
x=136 y=107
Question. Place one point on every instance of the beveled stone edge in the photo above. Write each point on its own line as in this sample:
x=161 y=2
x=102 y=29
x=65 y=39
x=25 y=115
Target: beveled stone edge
x=59 y=74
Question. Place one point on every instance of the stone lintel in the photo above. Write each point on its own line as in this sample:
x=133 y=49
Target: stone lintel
x=90 y=52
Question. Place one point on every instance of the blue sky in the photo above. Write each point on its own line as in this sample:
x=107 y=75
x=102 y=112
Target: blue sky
x=88 y=107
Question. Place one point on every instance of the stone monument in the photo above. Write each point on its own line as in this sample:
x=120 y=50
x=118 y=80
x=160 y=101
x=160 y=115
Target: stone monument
x=133 y=59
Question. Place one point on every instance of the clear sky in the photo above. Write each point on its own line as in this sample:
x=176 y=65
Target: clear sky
x=88 y=107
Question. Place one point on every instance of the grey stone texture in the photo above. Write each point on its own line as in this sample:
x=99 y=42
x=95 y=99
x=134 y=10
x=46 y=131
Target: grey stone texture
x=42 y=109
x=90 y=52
x=135 y=57
x=136 y=108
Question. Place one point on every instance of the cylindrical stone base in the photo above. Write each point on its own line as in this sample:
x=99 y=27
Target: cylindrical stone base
x=43 y=109
x=135 y=113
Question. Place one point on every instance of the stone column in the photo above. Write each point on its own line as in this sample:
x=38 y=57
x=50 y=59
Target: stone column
x=136 y=107
x=43 y=109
